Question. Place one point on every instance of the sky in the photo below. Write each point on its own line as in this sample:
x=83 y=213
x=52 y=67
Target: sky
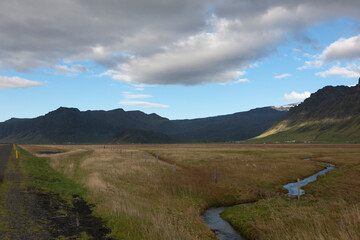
x=180 y=59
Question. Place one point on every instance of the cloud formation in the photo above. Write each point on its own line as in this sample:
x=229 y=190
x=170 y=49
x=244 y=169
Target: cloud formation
x=142 y=104
x=133 y=96
x=128 y=96
x=342 y=49
x=70 y=71
x=158 y=42
x=350 y=71
x=17 y=82
x=297 y=96
x=285 y=75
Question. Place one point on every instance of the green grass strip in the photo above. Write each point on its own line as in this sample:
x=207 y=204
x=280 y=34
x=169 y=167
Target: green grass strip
x=41 y=176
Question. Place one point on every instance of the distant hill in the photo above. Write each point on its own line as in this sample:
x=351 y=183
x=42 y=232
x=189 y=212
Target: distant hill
x=142 y=136
x=69 y=125
x=331 y=115
x=233 y=127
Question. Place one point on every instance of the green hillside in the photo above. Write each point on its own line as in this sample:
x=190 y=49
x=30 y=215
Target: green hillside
x=331 y=115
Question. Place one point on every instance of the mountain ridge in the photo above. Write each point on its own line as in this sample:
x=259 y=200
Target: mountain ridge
x=70 y=125
x=330 y=115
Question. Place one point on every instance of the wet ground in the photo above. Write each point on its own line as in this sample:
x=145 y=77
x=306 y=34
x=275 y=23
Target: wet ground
x=293 y=187
x=27 y=213
x=219 y=226
x=224 y=231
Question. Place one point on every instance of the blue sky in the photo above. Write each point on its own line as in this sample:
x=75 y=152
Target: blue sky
x=182 y=60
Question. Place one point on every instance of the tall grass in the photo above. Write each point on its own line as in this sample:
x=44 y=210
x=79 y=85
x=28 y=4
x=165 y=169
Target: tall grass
x=142 y=199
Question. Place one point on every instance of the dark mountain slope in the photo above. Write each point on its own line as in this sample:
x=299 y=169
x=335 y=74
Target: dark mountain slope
x=331 y=115
x=329 y=102
x=234 y=127
x=141 y=136
x=69 y=125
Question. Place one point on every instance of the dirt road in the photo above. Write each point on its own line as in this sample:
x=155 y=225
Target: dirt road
x=4 y=155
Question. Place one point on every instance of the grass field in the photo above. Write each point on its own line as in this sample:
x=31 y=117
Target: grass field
x=142 y=198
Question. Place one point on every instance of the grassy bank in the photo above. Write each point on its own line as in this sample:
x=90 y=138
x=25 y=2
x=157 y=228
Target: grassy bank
x=316 y=131
x=142 y=199
x=330 y=209
x=37 y=202
x=41 y=176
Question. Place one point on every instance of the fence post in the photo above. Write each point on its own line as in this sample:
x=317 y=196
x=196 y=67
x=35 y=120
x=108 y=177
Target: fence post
x=298 y=187
x=157 y=158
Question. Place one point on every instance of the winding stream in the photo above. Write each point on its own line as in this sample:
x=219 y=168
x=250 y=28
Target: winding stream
x=224 y=231
x=292 y=187
x=219 y=226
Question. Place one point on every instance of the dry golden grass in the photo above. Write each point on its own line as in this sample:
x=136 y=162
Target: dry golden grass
x=142 y=199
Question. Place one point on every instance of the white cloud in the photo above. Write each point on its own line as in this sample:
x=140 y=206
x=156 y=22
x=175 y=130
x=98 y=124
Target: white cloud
x=242 y=80
x=297 y=96
x=311 y=64
x=350 y=71
x=128 y=96
x=285 y=75
x=133 y=96
x=143 y=104
x=70 y=71
x=117 y=75
x=201 y=58
x=157 y=42
x=342 y=49
x=17 y=82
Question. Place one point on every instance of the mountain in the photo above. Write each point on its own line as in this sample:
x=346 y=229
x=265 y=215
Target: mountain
x=331 y=115
x=286 y=107
x=142 y=136
x=69 y=125
x=233 y=127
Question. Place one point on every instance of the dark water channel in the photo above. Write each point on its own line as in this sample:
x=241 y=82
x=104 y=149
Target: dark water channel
x=224 y=231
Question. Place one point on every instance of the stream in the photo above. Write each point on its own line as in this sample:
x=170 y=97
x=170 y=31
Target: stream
x=223 y=229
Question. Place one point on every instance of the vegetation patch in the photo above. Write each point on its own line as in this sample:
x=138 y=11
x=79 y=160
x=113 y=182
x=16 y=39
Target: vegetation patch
x=140 y=197
x=63 y=209
x=328 y=210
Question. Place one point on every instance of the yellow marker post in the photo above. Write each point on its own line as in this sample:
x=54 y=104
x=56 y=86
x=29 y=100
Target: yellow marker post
x=14 y=146
x=17 y=155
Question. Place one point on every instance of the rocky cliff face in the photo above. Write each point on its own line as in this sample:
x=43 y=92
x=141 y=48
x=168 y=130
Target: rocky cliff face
x=329 y=102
